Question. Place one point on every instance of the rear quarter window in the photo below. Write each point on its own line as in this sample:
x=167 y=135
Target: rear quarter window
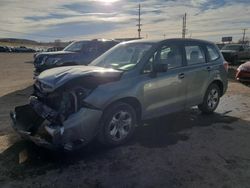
x=213 y=53
x=194 y=55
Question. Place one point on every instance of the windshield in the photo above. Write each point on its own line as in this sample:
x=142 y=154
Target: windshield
x=123 y=56
x=75 y=46
x=231 y=47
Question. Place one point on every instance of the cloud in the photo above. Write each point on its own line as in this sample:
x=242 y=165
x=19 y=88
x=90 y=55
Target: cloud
x=198 y=2
x=48 y=20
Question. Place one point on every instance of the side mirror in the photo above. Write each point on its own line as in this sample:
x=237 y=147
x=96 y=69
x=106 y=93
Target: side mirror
x=161 y=67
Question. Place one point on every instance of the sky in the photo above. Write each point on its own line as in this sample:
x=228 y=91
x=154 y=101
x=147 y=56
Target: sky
x=66 y=20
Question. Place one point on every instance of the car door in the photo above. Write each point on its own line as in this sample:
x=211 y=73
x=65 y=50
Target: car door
x=164 y=92
x=196 y=72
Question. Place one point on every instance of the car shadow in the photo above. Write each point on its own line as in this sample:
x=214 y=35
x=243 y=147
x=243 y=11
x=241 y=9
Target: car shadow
x=17 y=97
x=167 y=130
x=156 y=133
x=7 y=103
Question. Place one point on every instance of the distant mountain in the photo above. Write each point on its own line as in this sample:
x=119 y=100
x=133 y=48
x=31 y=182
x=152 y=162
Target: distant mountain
x=27 y=42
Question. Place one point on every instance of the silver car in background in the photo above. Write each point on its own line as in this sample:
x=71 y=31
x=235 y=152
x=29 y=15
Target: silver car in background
x=131 y=82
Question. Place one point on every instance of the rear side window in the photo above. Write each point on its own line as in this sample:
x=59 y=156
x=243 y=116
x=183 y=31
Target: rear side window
x=212 y=53
x=194 y=55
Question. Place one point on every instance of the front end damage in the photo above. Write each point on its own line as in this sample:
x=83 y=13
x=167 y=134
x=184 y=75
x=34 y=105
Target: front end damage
x=59 y=119
x=58 y=115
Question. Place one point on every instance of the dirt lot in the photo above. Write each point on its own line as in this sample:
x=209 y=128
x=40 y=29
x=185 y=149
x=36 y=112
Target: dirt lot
x=186 y=149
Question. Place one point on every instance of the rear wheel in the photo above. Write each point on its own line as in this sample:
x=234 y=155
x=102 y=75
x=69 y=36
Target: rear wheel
x=118 y=124
x=211 y=99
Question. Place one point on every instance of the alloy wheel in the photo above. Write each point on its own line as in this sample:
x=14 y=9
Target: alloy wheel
x=120 y=125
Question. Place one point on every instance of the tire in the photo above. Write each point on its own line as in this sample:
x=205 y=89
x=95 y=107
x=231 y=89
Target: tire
x=211 y=99
x=117 y=124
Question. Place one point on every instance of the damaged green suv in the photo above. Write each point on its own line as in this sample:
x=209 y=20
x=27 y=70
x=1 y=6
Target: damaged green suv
x=133 y=81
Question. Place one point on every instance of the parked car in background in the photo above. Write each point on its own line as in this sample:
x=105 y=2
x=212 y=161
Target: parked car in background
x=243 y=72
x=5 y=49
x=23 y=49
x=233 y=53
x=55 y=49
x=220 y=45
x=133 y=81
x=77 y=53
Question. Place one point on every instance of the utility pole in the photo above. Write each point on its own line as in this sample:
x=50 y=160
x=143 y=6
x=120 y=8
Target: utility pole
x=139 y=23
x=184 y=25
x=244 y=35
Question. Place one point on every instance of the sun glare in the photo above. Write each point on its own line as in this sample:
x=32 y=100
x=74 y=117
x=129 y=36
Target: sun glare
x=108 y=2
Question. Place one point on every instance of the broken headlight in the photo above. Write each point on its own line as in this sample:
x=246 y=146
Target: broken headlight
x=82 y=93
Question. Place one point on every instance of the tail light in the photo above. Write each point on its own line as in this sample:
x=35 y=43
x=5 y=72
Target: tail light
x=225 y=64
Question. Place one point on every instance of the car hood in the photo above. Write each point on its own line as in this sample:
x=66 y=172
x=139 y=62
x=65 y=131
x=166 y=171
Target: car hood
x=53 y=54
x=55 y=78
x=56 y=53
x=228 y=51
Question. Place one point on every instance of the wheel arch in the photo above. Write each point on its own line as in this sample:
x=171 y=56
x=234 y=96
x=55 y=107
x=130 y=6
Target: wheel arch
x=132 y=101
x=219 y=83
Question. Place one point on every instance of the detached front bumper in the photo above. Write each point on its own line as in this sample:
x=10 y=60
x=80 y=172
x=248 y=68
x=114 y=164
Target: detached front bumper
x=76 y=131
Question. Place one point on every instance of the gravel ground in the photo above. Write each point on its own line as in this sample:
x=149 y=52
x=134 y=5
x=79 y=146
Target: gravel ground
x=185 y=149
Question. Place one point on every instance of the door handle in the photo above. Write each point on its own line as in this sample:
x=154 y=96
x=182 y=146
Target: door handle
x=181 y=75
x=208 y=69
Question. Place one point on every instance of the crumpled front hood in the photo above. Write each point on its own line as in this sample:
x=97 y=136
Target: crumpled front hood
x=54 y=78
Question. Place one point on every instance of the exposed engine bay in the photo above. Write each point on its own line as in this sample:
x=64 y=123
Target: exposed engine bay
x=60 y=104
x=47 y=113
x=57 y=113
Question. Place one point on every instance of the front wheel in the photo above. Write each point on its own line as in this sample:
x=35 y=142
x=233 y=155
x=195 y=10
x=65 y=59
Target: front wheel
x=211 y=99
x=117 y=125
